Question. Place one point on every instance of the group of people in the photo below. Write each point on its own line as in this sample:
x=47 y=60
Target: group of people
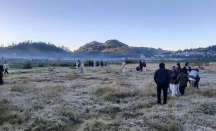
x=142 y=66
x=175 y=80
x=80 y=65
x=97 y=63
x=3 y=69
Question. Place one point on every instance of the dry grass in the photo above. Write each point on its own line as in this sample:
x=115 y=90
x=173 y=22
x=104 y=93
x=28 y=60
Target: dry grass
x=23 y=87
x=52 y=91
x=101 y=99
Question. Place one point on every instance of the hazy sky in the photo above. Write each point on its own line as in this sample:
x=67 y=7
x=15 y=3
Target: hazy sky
x=168 y=24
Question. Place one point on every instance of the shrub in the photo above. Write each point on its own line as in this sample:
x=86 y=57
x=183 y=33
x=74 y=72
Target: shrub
x=9 y=113
x=27 y=65
x=41 y=65
x=53 y=64
x=169 y=127
x=71 y=116
x=209 y=109
x=100 y=125
x=127 y=61
x=207 y=93
x=43 y=124
x=65 y=64
x=86 y=63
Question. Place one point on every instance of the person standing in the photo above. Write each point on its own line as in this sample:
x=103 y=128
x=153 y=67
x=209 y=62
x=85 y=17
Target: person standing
x=182 y=79
x=141 y=66
x=78 y=66
x=101 y=63
x=192 y=76
x=94 y=63
x=6 y=67
x=123 y=67
x=89 y=63
x=82 y=67
x=144 y=65
x=178 y=69
x=162 y=79
x=97 y=63
x=1 y=75
x=174 y=82
x=186 y=68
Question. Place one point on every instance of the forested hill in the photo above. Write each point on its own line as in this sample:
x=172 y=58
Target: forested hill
x=116 y=47
x=35 y=49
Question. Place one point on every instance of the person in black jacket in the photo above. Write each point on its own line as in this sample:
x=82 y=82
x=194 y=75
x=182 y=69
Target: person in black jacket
x=97 y=63
x=141 y=66
x=102 y=64
x=1 y=74
x=186 y=68
x=162 y=79
x=178 y=69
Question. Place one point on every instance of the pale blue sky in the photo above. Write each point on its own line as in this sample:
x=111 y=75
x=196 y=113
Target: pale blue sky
x=169 y=24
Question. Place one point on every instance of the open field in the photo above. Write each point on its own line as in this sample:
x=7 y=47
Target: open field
x=102 y=99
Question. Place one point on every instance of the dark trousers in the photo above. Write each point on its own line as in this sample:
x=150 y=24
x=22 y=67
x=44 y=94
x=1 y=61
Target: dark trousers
x=6 y=71
x=164 y=88
x=1 y=81
x=182 y=89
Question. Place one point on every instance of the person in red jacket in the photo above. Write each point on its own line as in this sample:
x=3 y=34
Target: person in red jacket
x=144 y=66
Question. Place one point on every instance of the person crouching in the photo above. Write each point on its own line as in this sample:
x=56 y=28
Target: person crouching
x=193 y=75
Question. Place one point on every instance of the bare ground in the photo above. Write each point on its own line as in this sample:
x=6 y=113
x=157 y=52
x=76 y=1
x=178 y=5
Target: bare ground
x=102 y=99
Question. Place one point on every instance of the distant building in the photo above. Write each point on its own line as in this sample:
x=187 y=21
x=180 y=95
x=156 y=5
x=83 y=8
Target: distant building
x=142 y=56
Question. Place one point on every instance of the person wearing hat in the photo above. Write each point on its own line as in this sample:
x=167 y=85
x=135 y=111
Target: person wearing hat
x=193 y=75
x=162 y=79
x=174 y=82
x=182 y=79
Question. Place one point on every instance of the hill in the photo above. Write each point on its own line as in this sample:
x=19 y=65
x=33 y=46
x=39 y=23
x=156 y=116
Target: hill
x=29 y=48
x=112 y=47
